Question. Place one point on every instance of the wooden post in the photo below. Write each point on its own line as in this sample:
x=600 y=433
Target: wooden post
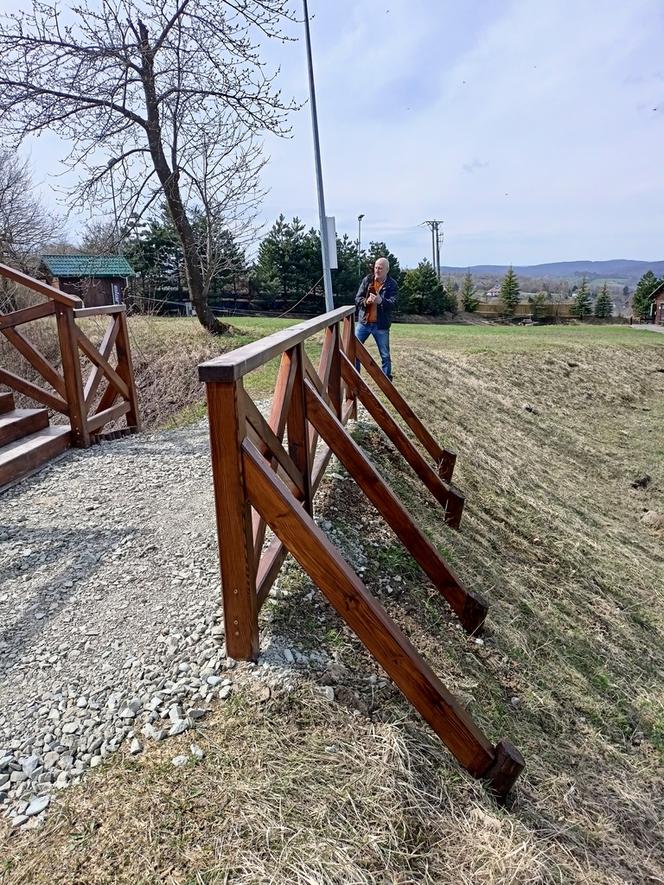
x=298 y=435
x=349 y=349
x=505 y=769
x=125 y=369
x=71 y=369
x=278 y=416
x=238 y=580
x=334 y=385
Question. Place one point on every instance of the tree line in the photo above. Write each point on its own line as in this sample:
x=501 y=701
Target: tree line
x=286 y=273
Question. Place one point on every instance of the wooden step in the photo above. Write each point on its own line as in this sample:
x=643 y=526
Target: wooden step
x=21 y=422
x=23 y=457
x=6 y=402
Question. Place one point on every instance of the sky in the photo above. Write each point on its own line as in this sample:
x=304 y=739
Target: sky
x=533 y=130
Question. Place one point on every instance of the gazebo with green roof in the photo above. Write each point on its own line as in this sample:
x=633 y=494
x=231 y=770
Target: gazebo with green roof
x=95 y=279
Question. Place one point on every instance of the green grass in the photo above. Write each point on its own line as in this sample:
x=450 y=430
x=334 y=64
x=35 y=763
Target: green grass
x=463 y=339
x=489 y=338
x=521 y=339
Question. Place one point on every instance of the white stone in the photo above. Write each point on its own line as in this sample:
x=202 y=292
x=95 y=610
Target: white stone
x=38 y=804
x=178 y=728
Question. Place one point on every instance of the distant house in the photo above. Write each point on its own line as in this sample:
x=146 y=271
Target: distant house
x=493 y=292
x=658 y=305
x=95 y=279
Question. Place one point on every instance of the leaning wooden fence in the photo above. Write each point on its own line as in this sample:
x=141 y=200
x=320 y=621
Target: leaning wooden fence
x=67 y=391
x=266 y=472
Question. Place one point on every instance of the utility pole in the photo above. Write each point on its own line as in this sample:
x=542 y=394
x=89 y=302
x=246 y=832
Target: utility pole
x=327 y=276
x=435 y=244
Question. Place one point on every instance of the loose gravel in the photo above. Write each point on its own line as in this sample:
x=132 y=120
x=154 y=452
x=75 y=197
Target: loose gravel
x=111 y=631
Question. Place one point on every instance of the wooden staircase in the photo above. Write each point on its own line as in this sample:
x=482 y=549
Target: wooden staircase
x=91 y=385
x=27 y=441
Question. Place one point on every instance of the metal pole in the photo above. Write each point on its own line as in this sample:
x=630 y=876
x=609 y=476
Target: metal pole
x=359 y=246
x=437 y=252
x=327 y=276
x=433 y=246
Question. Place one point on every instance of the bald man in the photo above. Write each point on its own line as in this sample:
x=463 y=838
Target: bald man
x=373 y=310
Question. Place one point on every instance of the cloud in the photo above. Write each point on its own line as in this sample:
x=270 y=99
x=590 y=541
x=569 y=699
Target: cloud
x=439 y=109
x=474 y=165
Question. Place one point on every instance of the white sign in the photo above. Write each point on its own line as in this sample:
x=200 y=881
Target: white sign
x=331 y=233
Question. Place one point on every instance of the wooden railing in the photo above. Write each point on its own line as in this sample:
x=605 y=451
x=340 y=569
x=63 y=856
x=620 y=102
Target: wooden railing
x=261 y=481
x=70 y=394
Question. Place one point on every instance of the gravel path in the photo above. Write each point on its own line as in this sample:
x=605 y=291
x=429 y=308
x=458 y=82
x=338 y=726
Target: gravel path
x=109 y=598
x=648 y=327
x=110 y=619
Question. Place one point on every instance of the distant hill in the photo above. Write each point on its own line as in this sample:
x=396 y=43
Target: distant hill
x=618 y=269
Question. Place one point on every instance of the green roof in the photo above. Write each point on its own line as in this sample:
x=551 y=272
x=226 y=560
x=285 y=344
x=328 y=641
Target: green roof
x=87 y=266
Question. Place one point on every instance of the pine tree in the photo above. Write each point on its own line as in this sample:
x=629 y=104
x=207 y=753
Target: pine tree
x=509 y=292
x=289 y=262
x=380 y=250
x=423 y=293
x=642 y=301
x=603 y=305
x=468 y=300
x=582 y=305
x=537 y=304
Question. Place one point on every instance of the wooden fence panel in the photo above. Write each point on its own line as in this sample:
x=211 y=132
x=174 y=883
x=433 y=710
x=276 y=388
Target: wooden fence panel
x=261 y=482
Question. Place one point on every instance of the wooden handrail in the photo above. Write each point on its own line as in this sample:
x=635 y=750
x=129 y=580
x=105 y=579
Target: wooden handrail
x=37 y=286
x=237 y=363
x=101 y=310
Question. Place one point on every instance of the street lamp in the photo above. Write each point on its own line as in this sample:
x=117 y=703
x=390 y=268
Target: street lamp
x=325 y=246
x=359 y=246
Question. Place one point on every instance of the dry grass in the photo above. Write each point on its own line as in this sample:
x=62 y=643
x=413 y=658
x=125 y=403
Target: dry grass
x=297 y=790
x=290 y=791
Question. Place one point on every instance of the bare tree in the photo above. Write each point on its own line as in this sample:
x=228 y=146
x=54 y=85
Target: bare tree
x=99 y=238
x=25 y=225
x=174 y=91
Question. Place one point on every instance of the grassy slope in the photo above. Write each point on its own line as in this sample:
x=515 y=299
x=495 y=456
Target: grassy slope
x=294 y=789
x=166 y=353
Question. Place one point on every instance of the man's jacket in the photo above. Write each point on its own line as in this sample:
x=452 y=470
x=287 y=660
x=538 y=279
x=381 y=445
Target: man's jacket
x=388 y=293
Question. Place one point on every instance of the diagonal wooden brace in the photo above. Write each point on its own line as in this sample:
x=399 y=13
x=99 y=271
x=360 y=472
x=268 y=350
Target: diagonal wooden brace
x=470 y=607
x=445 y=460
x=445 y=493
x=298 y=532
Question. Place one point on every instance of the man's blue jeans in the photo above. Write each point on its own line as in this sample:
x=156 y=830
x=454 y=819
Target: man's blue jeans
x=382 y=339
